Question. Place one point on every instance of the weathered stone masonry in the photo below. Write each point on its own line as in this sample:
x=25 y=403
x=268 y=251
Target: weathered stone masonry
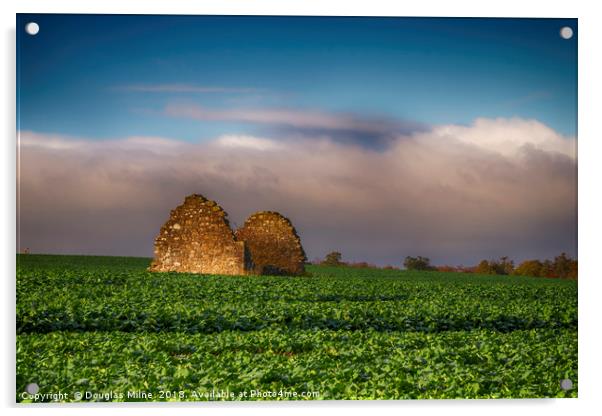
x=197 y=238
x=273 y=243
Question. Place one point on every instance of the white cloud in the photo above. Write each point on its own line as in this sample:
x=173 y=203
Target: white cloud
x=509 y=137
x=247 y=142
x=48 y=141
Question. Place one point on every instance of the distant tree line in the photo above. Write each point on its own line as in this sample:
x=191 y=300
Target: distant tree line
x=563 y=266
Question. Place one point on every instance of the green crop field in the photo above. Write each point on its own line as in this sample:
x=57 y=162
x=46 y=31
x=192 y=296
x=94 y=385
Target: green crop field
x=106 y=329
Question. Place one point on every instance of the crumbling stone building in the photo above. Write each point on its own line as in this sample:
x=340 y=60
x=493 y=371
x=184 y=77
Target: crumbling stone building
x=273 y=243
x=197 y=238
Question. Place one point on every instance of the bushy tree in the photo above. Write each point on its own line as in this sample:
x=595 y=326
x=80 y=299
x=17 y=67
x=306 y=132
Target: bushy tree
x=547 y=269
x=564 y=266
x=529 y=268
x=483 y=268
x=333 y=259
x=502 y=266
x=418 y=263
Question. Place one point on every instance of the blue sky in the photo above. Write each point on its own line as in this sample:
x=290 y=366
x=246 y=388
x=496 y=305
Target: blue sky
x=75 y=76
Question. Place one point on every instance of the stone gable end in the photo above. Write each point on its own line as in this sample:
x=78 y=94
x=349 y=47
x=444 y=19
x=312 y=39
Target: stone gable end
x=197 y=238
x=273 y=243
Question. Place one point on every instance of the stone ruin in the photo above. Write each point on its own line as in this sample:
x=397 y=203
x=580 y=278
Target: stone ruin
x=197 y=238
x=273 y=243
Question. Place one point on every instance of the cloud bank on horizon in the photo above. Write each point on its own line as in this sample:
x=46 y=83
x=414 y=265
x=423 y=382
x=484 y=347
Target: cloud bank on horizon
x=454 y=193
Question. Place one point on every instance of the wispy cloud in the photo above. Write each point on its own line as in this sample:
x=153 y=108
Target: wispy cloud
x=374 y=132
x=454 y=193
x=185 y=88
x=296 y=118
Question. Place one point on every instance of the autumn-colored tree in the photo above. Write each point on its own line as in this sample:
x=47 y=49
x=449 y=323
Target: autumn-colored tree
x=547 y=269
x=529 y=268
x=564 y=265
x=502 y=266
x=573 y=270
x=483 y=268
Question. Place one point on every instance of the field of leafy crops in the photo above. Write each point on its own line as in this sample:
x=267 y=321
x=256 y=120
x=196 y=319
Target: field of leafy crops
x=104 y=329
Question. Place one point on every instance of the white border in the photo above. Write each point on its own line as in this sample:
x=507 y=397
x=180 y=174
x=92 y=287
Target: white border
x=590 y=202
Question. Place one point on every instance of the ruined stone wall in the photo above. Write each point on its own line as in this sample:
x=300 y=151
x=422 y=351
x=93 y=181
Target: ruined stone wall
x=273 y=243
x=197 y=238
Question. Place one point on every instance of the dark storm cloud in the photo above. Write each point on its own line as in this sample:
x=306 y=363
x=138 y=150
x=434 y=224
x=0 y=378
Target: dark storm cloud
x=455 y=193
